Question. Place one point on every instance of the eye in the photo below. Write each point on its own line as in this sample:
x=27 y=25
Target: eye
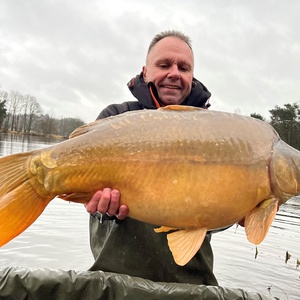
x=184 y=68
x=164 y=66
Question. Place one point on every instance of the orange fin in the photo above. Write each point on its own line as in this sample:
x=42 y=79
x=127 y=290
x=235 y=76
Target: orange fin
x=259 y=220
x=20 y=205
x=185 y=243
x=165 y=229
x=77 y=197
x=180 y=107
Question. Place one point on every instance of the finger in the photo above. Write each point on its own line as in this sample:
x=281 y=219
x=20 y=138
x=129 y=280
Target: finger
x=123 y=212
x=104 y=201
x=114 y=204
x=92 y=206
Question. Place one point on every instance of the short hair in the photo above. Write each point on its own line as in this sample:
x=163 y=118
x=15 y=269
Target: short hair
x=172 y=33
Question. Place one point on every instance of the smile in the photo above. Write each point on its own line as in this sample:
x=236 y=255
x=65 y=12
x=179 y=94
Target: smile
x=171 y=87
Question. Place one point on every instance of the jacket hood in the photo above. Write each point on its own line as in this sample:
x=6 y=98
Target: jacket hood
x=141 y=91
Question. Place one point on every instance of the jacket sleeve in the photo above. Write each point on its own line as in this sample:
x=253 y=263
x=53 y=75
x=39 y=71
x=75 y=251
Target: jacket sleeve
x=46 y=284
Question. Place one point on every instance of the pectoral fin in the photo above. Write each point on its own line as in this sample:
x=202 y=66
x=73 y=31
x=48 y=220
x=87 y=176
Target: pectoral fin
x=259 y=220
x=185 y=243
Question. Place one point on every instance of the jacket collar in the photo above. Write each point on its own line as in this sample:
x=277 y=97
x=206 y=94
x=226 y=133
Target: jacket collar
x=147 y=94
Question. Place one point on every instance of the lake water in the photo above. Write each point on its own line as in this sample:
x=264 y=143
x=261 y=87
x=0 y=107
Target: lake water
x=59 y=239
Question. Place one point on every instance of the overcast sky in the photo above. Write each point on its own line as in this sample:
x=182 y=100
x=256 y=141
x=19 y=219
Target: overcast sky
x=76 y=57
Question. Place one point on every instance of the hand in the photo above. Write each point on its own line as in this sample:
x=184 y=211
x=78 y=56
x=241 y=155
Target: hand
x=107 y=201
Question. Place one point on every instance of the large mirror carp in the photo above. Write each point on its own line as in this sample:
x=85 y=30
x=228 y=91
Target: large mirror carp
x=185 y=169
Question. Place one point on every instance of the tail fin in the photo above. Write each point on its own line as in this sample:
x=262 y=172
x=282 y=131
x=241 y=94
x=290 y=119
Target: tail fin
x=20 y=204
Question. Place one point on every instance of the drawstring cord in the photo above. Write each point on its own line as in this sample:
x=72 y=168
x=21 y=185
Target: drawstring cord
x=153 y=97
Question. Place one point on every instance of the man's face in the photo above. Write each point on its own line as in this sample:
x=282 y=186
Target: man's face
x=170 y=66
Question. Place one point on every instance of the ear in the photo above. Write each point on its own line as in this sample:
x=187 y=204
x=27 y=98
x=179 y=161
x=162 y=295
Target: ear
x=145 y=73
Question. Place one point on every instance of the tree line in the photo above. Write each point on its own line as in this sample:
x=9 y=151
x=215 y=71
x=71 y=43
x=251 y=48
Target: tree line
x=23 y=113
x=286 y=121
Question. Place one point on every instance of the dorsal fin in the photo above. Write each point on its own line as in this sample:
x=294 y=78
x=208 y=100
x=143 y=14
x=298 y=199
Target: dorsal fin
x=85 y=128
x=180 y=107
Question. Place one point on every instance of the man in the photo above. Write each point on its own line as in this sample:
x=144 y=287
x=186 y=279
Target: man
x=119 y=243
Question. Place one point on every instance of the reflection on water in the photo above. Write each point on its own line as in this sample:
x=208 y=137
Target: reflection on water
x=12 y=143
x=59 y=239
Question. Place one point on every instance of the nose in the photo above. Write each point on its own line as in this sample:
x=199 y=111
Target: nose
x=174 y=72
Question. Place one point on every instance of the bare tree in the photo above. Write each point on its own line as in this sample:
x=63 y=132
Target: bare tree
x=47 y=125
x=23 y=113
x=68 y=125
x=14 y=107
x=3 y=99
x=31 y=109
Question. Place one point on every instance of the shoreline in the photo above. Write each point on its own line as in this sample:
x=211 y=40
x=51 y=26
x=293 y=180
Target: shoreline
x=55 y=136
